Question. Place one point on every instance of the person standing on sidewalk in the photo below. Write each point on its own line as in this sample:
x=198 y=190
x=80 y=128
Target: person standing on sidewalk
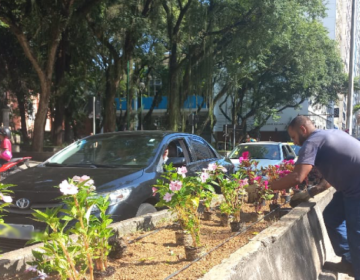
x=337 y=156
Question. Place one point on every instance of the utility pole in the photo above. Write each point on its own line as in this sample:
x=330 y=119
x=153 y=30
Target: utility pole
x=127 y=97
x=349 y=112
x=94 y=115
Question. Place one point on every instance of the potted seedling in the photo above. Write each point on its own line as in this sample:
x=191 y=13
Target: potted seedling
x=233 y=190
x=182 y=195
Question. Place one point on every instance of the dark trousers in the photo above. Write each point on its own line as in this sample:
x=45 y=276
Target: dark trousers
x=342 y=221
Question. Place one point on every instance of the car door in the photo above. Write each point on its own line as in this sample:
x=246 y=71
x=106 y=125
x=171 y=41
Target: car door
x=201 y=154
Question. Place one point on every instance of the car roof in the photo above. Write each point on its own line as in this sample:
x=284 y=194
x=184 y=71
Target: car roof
x=161 y=133
x=261 y=143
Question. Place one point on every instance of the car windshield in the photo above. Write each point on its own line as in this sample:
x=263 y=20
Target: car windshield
x=296 y=149
x=258 y=151
x=108 y=150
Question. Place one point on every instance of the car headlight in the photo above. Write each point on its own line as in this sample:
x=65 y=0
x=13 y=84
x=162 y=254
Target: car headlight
x=115 y=197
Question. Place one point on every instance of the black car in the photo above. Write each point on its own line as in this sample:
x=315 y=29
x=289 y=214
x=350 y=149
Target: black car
x=123 y=165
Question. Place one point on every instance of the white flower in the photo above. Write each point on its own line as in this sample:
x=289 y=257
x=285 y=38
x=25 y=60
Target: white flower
x=68 y=189
x=42 y=275
x=204 y=176
x=7 y=199
x=212 y=167
x=182 y=171
x=31 y=269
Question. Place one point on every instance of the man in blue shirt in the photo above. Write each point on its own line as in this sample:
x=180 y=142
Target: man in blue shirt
x=337 y=156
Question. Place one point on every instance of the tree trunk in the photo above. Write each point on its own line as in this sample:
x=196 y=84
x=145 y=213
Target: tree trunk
x=58 y=122
x=21 y=106
x=112 y=82
x=41 y=116
x=173 y=93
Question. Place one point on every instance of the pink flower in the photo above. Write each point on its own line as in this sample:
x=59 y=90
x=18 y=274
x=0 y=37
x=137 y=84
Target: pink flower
x=246 y=155
x=243 y=182
x=182 y=171
x=212 y=167
x=258 y=179
x=83 y=179
x=277 y=166
x=175 y=185
x=68 y=189
x=266 y=185
x=241 y=159
x=204 y=176
x=167 y=197
x=154 y=190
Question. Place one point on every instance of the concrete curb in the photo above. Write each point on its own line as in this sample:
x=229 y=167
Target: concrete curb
x=295 y=247
x=15 y=261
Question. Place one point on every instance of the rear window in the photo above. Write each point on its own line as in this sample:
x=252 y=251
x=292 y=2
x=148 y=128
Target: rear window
x=258 y=151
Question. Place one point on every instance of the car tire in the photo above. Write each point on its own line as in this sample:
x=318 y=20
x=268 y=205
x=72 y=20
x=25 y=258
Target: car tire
x=145 y=208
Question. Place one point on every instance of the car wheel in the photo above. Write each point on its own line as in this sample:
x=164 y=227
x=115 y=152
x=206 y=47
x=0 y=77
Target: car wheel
x=145 y=208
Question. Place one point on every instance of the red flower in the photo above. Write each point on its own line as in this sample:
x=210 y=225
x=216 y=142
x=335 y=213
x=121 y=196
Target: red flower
x=245 y=155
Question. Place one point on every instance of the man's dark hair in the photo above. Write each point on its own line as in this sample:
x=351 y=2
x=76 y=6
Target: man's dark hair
x=299 y=121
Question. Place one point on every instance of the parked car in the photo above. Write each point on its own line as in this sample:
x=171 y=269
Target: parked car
x=265 y=152
x=296 y=148
x=124 y=165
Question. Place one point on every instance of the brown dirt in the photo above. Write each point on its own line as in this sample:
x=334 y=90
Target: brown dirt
x=156 y=256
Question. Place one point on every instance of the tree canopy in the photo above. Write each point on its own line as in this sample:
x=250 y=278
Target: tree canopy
x=264 y=55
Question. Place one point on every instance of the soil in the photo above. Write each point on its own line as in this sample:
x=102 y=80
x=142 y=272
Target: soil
x=157 y=256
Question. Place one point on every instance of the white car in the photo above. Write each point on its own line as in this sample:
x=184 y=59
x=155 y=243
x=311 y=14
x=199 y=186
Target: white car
x=265 y=152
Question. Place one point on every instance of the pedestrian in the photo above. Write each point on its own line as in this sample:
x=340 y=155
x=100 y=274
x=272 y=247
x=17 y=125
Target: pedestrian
x=337 y=156
x=5 y=146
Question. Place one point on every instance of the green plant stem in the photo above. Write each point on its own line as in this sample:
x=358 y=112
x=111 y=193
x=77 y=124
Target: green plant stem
x=69 y=260
x=86 y=243
x=67 y=257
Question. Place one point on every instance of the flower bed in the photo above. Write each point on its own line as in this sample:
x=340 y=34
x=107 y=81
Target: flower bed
x=86 y=256
x=157 y=256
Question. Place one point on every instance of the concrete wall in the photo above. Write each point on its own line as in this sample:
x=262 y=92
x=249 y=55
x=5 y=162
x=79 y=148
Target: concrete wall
x=294 y=248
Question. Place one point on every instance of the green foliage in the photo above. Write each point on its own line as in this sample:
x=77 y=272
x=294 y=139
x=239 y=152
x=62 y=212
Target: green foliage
x=74 y=258
x=182 y=195
x=5 y=201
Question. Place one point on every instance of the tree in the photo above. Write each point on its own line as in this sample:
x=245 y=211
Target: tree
x=38 y=27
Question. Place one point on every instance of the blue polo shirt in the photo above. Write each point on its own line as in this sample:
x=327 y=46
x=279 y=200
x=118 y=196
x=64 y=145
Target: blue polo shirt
x=337 y=156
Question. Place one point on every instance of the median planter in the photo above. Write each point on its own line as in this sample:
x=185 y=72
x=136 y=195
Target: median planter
x=153 y=254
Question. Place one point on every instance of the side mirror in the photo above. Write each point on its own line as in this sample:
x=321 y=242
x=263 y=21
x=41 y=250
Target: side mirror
x=289 y=157
x=176 y=161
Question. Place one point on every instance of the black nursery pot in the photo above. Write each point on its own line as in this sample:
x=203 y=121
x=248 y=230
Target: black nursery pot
x=235 y=226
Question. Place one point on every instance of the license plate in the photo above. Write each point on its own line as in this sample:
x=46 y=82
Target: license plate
x=15 y=231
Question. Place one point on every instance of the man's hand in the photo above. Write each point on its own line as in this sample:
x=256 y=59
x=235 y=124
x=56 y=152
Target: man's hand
x=299 y=197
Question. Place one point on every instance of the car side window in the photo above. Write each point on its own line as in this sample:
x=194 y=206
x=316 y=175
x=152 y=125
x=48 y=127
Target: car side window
x=201 y=149
x=285 y=152
x=291 y=151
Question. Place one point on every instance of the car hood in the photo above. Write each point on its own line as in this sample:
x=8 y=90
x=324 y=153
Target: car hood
x=38 y=182
x=263 y=163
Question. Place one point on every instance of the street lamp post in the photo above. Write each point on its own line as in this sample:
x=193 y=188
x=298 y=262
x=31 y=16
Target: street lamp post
x=141 y=88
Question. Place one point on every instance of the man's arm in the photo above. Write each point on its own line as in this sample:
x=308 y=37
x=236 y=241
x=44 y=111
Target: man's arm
x=294 y=178
x=305 y=195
